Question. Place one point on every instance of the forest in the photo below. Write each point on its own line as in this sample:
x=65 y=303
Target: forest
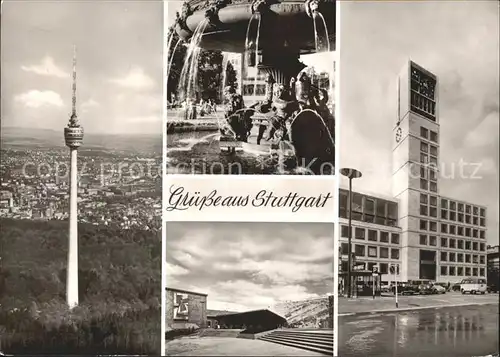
x=119 y=286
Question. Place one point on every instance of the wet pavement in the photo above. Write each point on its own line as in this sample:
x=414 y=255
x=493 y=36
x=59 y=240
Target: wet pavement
x=455 y=332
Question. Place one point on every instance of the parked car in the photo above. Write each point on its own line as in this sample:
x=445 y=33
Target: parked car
x=438 y=289
x=425 y=289
x=473 y=286
x=405 y=289
x=455 y=287
x=492 y=288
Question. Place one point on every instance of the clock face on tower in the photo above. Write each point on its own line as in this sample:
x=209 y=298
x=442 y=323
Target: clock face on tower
x=399 y=134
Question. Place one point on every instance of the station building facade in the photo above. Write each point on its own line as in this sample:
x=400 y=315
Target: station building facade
x=426 y=235
x=185 y=309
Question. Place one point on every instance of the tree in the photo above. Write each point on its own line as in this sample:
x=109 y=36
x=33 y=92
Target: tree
x=231 y=77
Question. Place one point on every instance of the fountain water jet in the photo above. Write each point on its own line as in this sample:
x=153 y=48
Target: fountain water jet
x=291 y=28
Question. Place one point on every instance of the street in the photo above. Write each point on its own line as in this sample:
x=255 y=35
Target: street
x=452 y=331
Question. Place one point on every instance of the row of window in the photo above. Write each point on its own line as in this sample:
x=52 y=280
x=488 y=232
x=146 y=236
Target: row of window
x=382 y=267
x=462 y=218
x=428 y=134
x=423 y=105
x=428 y=185
x=368 y=209
x=370 y=251
x=373 y=235
x=459 y=258
x=462 y=207
x=461 y=271
x=452 y=243
x=452 y=229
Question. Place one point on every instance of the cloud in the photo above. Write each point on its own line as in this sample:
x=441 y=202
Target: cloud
x=484 y=133
x=47 y=67
x=89 y=104
x=136 y=78
x=36 y=99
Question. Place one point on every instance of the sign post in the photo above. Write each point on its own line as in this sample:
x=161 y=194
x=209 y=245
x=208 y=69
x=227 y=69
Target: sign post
x=374 y=279
x=393 y=271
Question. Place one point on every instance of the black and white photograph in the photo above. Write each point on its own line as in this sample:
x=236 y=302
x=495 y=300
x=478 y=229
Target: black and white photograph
x=418 y=205
x=80 y=178
x=249 y=289
x=250 y=87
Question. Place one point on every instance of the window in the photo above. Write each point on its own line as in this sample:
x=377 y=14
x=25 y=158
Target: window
x=424 y=147
x=433 y=240
x=423 y=239
x=424 y=132
x=452 y=257
x=359 y=233
x=460 y=244
x=467 y=245
x=423 y=172
x=461 y=217
x=453 y=205
x=475 y=233
x=444 y=256
x=433 y=212
x=482 y=212
x=481 y=247
x=482 y=222
x=444 y=203
x=433 y=201
x=444 y=228
x=444 y=270
x=344 y=231
x=474 y=271
x=474 y=221
x=481 y=272
x=423 y=210
x=444 y=214
x=467 y=271
x=383 y=268
x=467 y=258
x=372 y=235
x=475 y=246
x=444 y=242
x=482 y=234
x=460 y=207
x=452 y=243
x=433 y=187
x=468 y=209
x=343 y=204
x=384 y=252
x=481 y=259
x=460 y=231
x=452 y=271
x=460 y=271
x=433 y=174
x=423 y=225
x=433 y=150
x=475 y=210
x=423 y=198
x=384 y=237
x=372 y=252
x=460 y=257
x=467 y=219
x=394 y=253
x=433 y=161
x=475 y=259
x=344 y=248
x=433 y=226
x=371 y=266
x=468 y=232
x=423 y=184
x=434 y=136
x=359 y=250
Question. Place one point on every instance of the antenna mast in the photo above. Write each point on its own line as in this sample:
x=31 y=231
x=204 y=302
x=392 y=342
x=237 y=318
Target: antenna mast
x=73 y=107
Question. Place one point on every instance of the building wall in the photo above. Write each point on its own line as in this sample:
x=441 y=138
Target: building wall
x=197 y=310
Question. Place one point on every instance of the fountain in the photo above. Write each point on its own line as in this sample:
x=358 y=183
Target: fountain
x=294 y=119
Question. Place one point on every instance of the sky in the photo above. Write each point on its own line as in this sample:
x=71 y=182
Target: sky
x=457 y=41
x=246 y=266
x=119 y=70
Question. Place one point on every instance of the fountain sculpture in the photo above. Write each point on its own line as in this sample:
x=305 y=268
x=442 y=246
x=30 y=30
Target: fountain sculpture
x=272 y=34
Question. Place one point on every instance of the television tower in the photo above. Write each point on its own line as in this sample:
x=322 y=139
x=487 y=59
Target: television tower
x=73 y=134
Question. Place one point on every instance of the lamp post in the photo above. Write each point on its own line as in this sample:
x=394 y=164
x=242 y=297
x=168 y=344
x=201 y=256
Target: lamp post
x=350 y=174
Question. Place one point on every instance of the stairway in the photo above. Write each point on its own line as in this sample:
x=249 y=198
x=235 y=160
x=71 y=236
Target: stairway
x=320 y=341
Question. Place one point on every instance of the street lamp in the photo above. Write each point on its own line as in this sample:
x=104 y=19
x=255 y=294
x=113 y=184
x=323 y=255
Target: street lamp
x=350 y=174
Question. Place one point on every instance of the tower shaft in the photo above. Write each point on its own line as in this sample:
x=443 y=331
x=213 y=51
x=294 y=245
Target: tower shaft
x=72 y=271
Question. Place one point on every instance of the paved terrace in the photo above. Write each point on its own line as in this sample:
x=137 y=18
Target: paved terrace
x=226 y=346
x=363 y=305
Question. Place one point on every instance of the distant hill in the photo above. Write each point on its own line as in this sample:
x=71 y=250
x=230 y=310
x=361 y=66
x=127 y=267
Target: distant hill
x=304 y=313
x=12 y=137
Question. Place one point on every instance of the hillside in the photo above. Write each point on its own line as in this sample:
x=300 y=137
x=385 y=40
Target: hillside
x=305 y=313
x=119 y=281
